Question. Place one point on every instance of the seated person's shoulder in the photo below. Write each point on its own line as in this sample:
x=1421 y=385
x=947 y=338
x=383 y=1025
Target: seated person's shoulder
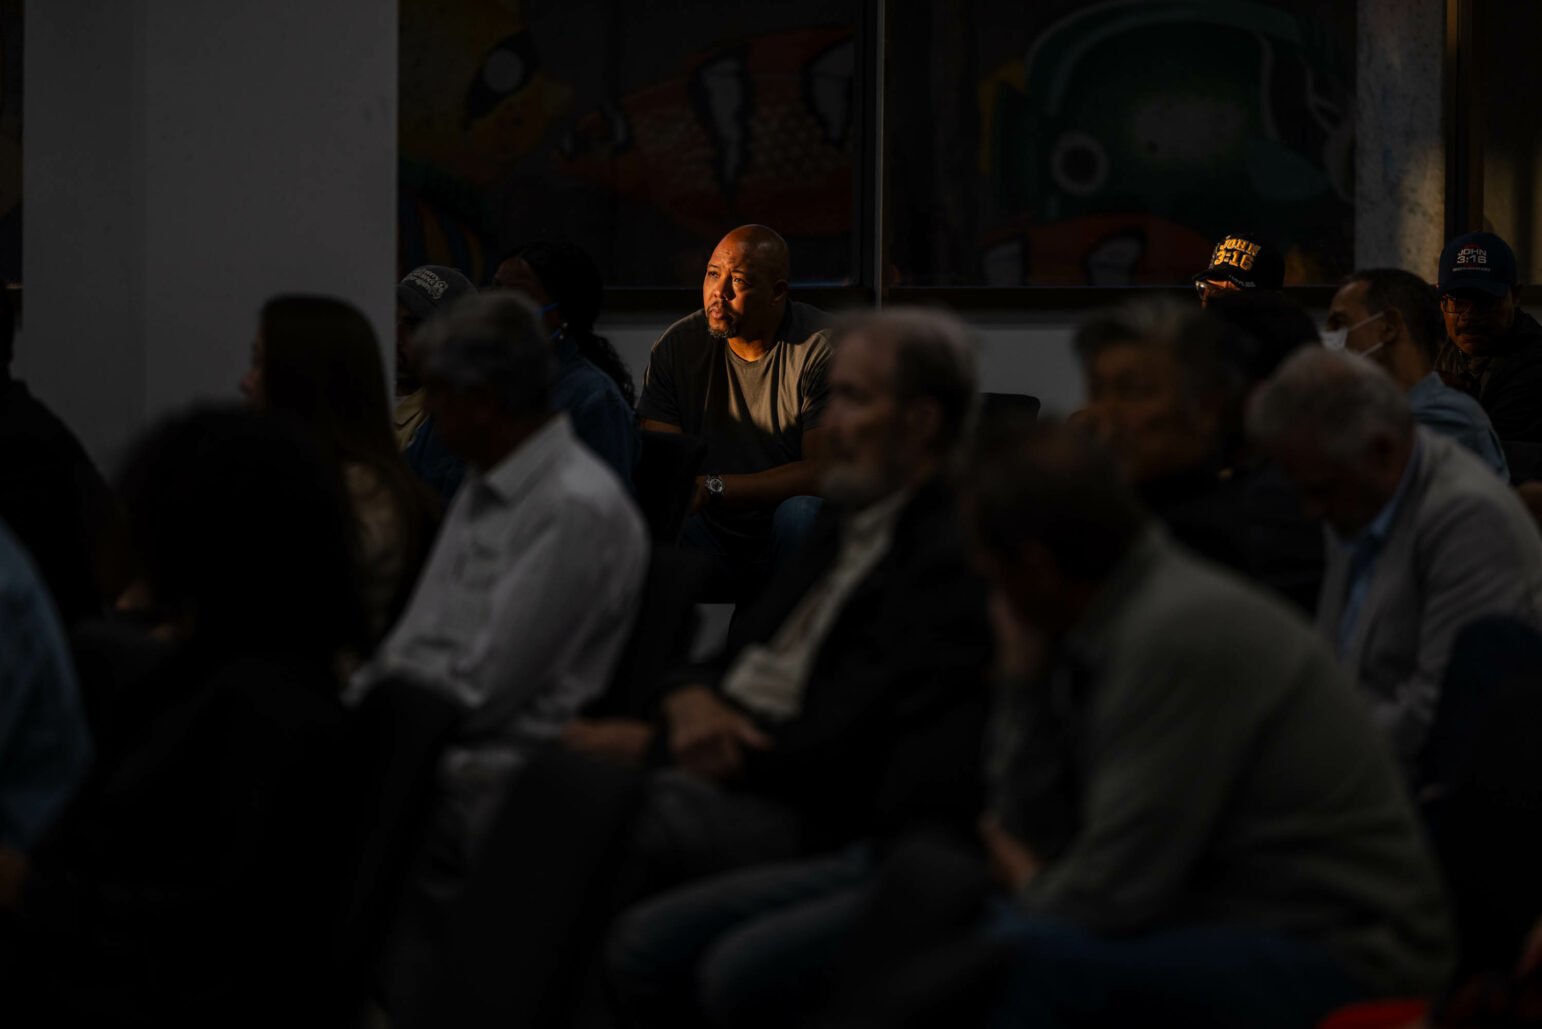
x=1453 y=475
x=592 y=499
x=1467 y=500
x=1453 y=407
x=1192 y=613
x=685 y=336
x=1523 y=363
x=31 y=434
x=275 y=692
x=808 y=327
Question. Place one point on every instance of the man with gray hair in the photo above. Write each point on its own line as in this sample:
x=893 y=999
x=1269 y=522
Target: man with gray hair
x=1422 y=537
x=850 y=704
x=527 y=597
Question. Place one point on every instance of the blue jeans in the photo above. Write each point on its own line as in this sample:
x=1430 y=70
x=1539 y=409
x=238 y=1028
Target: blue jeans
x=749 y=948
x=1222 y=976
x=741 y=566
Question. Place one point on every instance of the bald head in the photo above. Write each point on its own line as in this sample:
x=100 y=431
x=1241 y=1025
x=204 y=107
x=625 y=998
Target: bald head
x=745 y=290
x=764 y=246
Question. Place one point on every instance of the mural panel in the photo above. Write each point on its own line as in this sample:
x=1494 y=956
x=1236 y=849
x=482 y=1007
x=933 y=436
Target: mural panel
x=1113 y=142
x=640 y=132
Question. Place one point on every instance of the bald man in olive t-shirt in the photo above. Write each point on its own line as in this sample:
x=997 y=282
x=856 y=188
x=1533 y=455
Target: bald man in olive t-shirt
x=746 y=373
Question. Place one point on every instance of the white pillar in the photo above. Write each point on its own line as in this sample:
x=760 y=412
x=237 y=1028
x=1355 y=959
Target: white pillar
x=183 y=162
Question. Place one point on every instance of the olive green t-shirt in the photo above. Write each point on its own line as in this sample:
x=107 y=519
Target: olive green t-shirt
x=750 y=414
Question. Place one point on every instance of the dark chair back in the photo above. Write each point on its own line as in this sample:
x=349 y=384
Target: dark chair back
x=661 y=637
x=399 y=733
x=113 y=659
x=665 y=480
x=1524 y=459
x=518 y=942
x=1481 y=787
x=993 y=404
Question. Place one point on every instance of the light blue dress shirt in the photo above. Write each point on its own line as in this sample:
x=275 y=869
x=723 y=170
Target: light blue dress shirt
x=1364 y=548
x=1453 y=413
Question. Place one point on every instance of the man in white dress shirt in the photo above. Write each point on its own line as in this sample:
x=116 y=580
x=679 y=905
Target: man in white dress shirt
x=533 y=584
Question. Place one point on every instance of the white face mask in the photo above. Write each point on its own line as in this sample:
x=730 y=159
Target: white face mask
x=1335 y=339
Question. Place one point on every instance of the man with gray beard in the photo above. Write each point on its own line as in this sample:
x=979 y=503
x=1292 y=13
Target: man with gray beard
x=850 y=700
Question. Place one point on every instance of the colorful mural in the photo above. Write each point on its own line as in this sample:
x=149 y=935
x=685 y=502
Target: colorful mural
x=1053 y=143
x=1125 y=136
x=511 y=129
x=766 y=125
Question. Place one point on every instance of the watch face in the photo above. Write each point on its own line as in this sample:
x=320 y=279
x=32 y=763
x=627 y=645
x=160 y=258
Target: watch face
x=714 y=484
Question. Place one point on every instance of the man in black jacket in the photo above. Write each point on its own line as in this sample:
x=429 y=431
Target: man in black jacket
x=52 y=496
x=853 y=696
x=872 y=641
x=1494 y=353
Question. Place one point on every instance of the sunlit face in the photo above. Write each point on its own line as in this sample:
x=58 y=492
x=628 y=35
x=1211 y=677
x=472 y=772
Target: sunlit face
x=252 y=386
x=741 y=299
x=867 y=451
x=1475 y=319
x=1137 y=403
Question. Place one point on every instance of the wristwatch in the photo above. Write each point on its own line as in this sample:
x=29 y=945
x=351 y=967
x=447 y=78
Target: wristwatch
x=714 y=484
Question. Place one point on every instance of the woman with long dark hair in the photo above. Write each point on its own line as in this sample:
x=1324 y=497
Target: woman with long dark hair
x=593 y=385
x=317 y=360
x=192 y=879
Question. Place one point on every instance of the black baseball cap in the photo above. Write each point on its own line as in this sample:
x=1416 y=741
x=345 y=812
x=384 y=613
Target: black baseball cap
x=1480 y=261
x=1246 y=261
x=432 y=288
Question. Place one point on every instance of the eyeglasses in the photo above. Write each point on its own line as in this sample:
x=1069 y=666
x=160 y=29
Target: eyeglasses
x=1451 y=304
x=1207 y=288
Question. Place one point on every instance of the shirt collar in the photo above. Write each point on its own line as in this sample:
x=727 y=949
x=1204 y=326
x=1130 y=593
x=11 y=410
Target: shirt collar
x=1426 y=387
x=507 y=480
x=408 y=408
x=1381 y=525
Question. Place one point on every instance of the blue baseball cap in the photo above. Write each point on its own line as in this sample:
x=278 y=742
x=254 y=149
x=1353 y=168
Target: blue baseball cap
x=1480 y=261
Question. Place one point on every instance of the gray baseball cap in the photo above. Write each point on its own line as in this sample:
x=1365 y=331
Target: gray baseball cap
x=432 y=289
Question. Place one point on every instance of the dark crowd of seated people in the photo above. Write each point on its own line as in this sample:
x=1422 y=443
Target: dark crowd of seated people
x=1219 y=704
